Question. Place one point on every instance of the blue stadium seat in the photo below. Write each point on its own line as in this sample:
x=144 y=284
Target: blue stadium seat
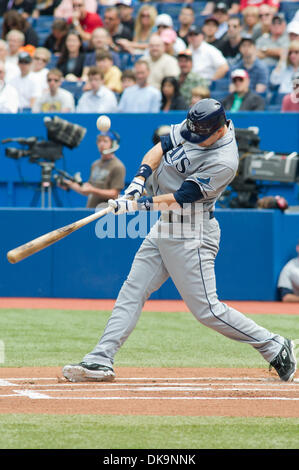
x=219 y=95
x=128 y=60
x=289 y=9
x=42 y=26
x=101 y=10
x=76 y=88
x=53 y=62
x=274 y=101
x=221 y=85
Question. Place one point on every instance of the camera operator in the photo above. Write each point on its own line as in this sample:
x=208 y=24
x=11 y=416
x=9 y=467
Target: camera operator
x=107 y=174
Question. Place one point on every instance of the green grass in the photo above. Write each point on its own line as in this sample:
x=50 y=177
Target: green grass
x=146 y=432
x=54 y=337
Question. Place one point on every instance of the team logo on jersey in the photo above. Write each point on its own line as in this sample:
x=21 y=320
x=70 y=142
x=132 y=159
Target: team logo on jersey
x=178 y=159
x=204 y=180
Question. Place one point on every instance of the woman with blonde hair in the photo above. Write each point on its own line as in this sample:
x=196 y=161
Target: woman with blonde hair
x=252 y=26
x=39 y=71
x=286 y=69
x=144 y=25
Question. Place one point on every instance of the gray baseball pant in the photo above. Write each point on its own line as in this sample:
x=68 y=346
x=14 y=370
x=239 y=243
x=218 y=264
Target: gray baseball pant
x=192 y=271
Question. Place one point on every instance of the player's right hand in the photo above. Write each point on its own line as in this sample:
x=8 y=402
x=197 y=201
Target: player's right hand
x=122 y=205
x=135 y=189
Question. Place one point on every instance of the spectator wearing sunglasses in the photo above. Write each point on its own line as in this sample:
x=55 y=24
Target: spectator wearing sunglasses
x=266 y=13
x=270 y=46
x=230 y=45
x=286 y=69
x=56 y=99
x=208 y=61
x=39 y=71
x=242 y=99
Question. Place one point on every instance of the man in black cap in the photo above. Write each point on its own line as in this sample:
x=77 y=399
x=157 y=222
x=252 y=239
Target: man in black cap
x=233 y=7
x=208 y=61
x=126 y=11
x=270 y=47
x=209 y=29
x=221 y=13
x=24 y=84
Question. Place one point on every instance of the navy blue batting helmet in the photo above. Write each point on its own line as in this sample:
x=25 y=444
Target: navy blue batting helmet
x=203 y=119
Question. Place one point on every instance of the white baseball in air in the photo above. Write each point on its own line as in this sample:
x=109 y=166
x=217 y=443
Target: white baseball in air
x=103 y=123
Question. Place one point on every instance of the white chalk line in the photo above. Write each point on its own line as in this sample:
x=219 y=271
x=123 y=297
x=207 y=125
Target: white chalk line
x=155 y=387
x=31 y=394
x=5 y=383
x=175 y=398
x=163 y=389
x=263 y=379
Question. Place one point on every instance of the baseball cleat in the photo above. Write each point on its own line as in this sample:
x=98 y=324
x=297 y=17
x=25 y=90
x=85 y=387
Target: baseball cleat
x=85 y=372
x=285 y=363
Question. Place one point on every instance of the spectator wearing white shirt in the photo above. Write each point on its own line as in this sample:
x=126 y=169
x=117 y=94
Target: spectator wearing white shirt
x=99 y=99
x=39 y=71
x=24 y=84
x=140 y=98
x=15 y=40
x=160 y=63
x=208 y=61
x=11 y=69
x=56 y=99
x=9 y=99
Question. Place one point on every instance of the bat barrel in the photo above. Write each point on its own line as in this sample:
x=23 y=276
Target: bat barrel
x=23 y=251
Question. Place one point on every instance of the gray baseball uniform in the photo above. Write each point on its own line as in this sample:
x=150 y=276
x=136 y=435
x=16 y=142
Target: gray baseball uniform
x=188 y=258
x=288 y=281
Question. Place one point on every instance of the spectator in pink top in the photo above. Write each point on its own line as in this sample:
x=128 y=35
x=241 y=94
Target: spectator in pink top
x=290 y=102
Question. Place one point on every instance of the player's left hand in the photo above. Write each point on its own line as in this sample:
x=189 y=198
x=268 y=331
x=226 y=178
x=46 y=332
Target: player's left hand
x=135 y=189
x=122 y=205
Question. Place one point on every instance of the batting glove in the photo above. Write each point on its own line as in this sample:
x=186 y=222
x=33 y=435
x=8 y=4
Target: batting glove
x=145 y=203
x=121 y=206
x=135 y=189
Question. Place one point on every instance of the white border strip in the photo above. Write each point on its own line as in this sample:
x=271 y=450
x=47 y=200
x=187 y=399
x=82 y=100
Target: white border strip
x=176 y=398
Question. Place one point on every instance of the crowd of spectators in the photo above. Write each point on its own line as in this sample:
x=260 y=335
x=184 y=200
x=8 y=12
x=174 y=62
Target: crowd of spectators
x=135 y=57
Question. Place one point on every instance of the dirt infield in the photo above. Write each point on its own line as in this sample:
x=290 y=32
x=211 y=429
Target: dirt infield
x=151 y=391
x=251 y=307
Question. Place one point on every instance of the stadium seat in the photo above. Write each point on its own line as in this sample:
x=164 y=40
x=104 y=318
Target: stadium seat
x=128 y=60
x=219 y=95
x=274 y=101
x=76 y=88
x=53 y=62
x=221 y=85
x=289 y=9
x=42 y=26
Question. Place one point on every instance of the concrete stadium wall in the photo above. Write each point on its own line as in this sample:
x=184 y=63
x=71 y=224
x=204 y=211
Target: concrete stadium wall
x=254 y=247
x=18 y=180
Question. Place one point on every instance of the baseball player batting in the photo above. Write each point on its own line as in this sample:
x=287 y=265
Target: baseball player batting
x=188 y=169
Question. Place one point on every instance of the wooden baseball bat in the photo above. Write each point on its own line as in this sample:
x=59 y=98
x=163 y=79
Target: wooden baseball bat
x=38 y=244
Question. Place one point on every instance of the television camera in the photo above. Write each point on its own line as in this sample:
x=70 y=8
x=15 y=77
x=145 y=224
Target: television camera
x=255 y=167
x=45 y=152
